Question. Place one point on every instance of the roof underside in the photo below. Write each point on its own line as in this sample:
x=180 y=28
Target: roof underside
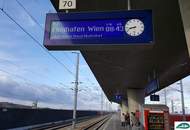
x=117 y=70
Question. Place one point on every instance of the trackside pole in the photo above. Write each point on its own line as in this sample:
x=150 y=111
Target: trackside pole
x=76 y=92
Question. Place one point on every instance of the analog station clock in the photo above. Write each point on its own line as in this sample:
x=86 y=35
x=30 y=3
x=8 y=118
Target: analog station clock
x=134 y=27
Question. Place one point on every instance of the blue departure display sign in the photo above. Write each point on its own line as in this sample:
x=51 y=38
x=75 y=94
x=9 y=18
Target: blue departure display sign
x=102 y=28
x=118 y=97
x=152 y=87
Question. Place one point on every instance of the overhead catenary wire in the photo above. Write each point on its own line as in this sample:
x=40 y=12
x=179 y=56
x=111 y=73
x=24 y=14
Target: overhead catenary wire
x=37 y=23
x=27 y=81
x=67 y=56
x=42 y=28
x=86 y=78
x=32 y=72
x=30 y=15
x=12 y=63
x=42 y=47
x=17 y=76
x=20 y=4
x=36 y=41
x=9 y=62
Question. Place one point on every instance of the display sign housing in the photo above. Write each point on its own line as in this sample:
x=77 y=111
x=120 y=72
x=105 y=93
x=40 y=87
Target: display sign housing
x=93 y=29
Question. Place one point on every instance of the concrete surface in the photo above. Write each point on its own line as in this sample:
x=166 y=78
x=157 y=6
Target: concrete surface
x=115 y=124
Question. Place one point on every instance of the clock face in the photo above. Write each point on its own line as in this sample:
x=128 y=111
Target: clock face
x=134 y=27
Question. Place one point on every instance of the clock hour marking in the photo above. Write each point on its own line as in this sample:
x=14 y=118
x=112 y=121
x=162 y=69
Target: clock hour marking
x=134 y=27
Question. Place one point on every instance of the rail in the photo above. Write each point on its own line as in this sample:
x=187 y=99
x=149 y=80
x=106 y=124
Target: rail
x=96 y=125
x=60 y=124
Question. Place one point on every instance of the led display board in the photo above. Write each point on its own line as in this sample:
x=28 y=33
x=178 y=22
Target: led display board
x=80 y=30
x=154 y=98
x=152 y=87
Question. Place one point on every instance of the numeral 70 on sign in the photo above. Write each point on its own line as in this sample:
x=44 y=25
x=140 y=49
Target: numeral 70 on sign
x=67 y=4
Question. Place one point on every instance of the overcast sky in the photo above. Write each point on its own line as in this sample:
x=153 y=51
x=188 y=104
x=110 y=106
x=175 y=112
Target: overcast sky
x=28 y=73
x=172 y=93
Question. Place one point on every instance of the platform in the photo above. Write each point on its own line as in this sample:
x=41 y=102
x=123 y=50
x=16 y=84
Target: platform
x=115 y=124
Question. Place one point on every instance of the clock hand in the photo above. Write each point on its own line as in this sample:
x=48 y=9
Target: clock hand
x=131 y=28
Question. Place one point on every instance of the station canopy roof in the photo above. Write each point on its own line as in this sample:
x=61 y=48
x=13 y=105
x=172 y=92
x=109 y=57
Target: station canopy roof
x=129 y=68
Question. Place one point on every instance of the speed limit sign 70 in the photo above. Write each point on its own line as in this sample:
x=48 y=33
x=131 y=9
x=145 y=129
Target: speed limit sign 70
x=67 y=4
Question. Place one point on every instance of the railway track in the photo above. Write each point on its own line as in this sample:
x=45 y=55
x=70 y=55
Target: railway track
x=52 y=126
x=83 y=124
x=97 y=125
x=58 y=125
